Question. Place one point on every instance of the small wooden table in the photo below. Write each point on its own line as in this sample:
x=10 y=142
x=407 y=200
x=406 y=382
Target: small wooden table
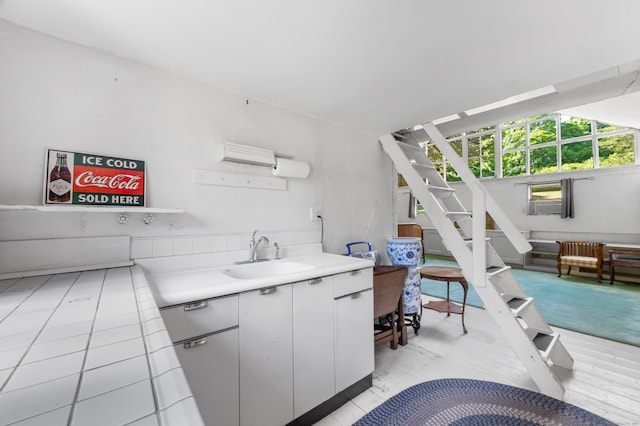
x=443 y=273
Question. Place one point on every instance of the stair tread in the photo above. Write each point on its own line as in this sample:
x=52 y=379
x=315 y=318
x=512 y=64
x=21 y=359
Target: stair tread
x=411 y=147
x=517 y=302
x=440 y=188
x=544 y=341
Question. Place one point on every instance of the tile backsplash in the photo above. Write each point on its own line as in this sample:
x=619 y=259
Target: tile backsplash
x=147 y=247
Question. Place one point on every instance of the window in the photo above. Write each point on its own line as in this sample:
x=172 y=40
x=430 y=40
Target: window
x=542 y=144
x=545 y=198
x=481 y=154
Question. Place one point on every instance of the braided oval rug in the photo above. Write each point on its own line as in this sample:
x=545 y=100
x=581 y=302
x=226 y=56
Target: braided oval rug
x=465 y=402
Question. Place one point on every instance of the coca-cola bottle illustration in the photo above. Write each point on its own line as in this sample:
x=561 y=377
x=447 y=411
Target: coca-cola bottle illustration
x=60 y=181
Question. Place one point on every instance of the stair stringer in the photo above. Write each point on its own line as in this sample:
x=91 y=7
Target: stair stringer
x=520 y=338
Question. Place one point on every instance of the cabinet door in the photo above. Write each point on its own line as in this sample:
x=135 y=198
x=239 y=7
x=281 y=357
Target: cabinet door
x=266 y=356
x=210 y=364
x=313 y=344
x=354 y=338
x=200 y=317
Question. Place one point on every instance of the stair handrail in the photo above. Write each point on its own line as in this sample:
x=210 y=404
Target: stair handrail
x=499 y=216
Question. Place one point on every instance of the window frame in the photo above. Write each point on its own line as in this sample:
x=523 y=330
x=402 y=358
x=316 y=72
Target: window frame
x=529 y=148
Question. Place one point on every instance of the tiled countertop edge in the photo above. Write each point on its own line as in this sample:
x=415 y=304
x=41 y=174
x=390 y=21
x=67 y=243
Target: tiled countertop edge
x=174 y=400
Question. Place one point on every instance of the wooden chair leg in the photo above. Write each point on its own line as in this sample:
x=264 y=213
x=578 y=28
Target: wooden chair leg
x=569 y=271
x=394 y=332
x=612 y=273
x=559 y=269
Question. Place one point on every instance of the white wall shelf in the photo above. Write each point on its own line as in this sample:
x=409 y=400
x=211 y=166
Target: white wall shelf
x=122 y=211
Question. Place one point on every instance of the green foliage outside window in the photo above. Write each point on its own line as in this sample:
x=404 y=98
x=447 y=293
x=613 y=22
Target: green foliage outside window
x=574 y=127
x=544 y=160
x=514 y=164
x=573 y=137
x=577 y=156
x=616 y=150
x=514 y=137
x=542 y=132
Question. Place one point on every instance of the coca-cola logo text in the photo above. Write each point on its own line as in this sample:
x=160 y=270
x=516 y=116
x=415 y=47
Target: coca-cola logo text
x=119 y=181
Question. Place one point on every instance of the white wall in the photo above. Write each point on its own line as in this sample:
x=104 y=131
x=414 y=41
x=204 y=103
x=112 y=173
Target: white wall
x=606 y=207
x=64 y=96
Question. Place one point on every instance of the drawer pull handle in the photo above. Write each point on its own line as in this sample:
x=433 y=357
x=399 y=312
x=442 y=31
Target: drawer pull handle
x=315 y=281
x=356 y=272
x=196 y=305
x=194 y=343
x=355 y=295
x=267 y=291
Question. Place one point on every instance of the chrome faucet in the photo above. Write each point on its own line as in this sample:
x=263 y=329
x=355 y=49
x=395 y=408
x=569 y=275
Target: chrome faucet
x=255 y=245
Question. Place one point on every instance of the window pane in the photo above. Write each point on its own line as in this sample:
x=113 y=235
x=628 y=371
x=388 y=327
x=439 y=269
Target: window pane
x=544 y=160
x=514 y=164
x=488 y=166
x=577 y=156
x=572 y=127
x=535 y=117
x=474 y=147
x=605 y=127
x=434 y=153
x=542 y=131
x=488 y=144
x=452 y=175
x=616 y=150
x=545 y=199
x=546 y=192
x=514 y=137
x=457 y=146
x=514 y=122
x=474 y=165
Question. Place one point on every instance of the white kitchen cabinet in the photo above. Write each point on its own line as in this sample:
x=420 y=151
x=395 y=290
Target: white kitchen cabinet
x=313 y=344
x=210 y=364
x=353 y=324
x=205 y=336
x=266 y=356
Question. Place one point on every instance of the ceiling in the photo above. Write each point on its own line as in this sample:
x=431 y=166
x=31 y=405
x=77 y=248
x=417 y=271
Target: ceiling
x=373 y=65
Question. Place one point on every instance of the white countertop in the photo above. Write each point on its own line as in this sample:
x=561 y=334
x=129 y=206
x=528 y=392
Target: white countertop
x=88 y=348
x=192 y=280
x=91 y=347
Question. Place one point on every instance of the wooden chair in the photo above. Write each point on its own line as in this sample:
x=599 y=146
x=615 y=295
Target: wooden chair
x=388 y=286
x=582 y=254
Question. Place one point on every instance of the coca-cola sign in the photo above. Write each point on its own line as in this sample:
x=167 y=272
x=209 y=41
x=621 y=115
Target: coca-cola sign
x=91 y=179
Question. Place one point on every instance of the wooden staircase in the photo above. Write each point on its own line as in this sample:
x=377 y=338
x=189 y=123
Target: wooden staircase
x=537 y=346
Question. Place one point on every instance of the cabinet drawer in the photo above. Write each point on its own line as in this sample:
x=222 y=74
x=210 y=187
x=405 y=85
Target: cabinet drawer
x=352 y=281
x=200 y=317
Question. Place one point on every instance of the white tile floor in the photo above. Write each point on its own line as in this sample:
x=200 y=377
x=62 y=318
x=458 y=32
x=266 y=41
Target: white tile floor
x=605 y=379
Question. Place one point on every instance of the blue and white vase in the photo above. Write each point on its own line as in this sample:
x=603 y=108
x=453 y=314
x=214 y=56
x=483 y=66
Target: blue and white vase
x=407 y=251
x=404 y=251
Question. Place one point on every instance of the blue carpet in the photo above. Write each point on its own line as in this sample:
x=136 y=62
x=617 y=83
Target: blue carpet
x=466 y=402
x=571 y=302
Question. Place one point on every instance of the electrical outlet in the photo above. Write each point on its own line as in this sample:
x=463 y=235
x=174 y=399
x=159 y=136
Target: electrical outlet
x=314 y=213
